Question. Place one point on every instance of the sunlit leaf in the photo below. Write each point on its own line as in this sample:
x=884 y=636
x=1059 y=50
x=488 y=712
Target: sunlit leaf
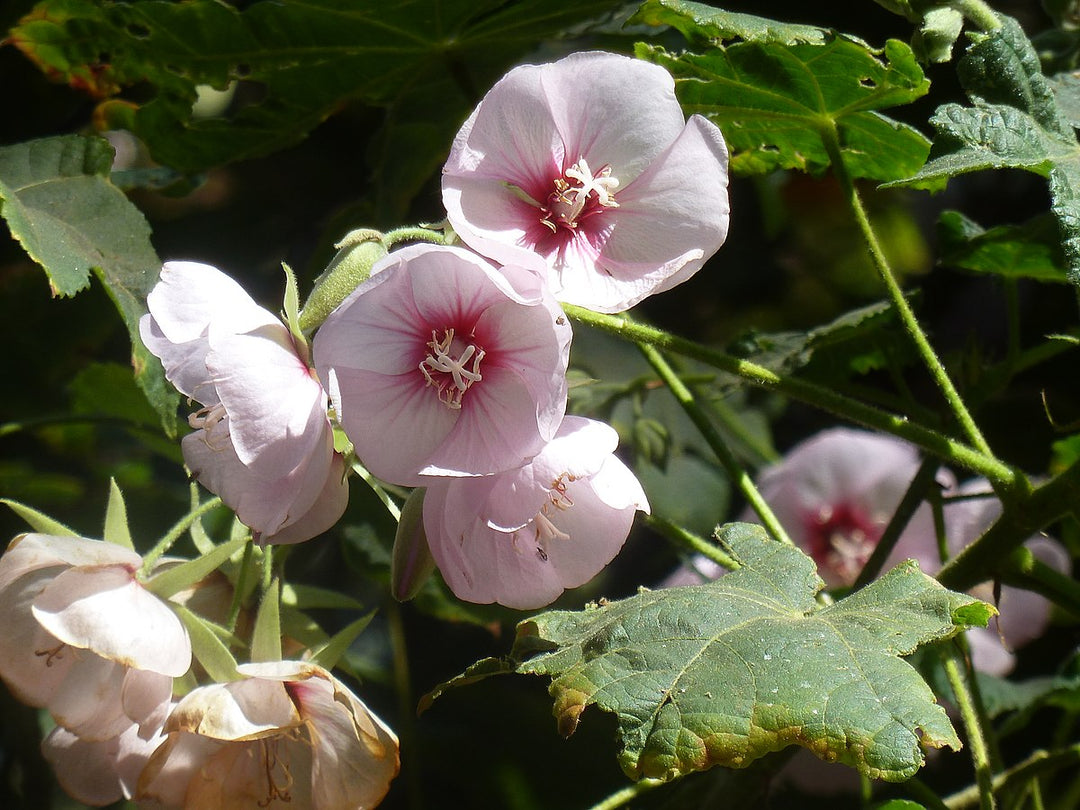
x=1014 y=123
x=726 y=672
x=58 y=202
x=116 y=521
x=266 y=637
x=775 y=103
x=39 y=522
x=702 y=23
x=207 y=645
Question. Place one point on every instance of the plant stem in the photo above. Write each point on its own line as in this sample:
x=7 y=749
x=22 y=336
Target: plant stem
x=239 y=585
x=685 y=537
x=738 y=475
x=980 y=754
x=628 y=793
x=1038 y=763
x=831 y=139
x=940 y=445
x=406 y=703
x=977 y=12
x=174 y=534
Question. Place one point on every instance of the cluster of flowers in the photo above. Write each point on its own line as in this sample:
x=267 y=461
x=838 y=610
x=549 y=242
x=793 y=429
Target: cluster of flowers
x=835 y=494
x=578 y=182
x=89 y=643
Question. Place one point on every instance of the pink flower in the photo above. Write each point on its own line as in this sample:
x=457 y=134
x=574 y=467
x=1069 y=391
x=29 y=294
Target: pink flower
x=263 y=441
x=98 y=772
x=835 y=494
x=287 y=735
x=84 y=639
x=589 y=163
x=521 y=537
x=441 y=365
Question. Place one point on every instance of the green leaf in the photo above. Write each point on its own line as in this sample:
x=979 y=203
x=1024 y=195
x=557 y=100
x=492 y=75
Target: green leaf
x=296 y=62
x=1031 y=250
x=175 y=579
x=726 y=672
x=266 y=637
x=700 y=23
x=116 y=522
x=330 y=654
x=58 y=202
x=207 y=645
x=774 y=103
x=1015 y=123
x=41 y=523
x=307 y=597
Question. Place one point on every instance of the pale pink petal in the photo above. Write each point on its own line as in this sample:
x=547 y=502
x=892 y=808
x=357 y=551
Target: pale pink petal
x=33 y=663
x=32 y=551
x=105 y=610
x=89 y=702
x=328 y=508
x=164 y=781
x=276 y=409
x=85 y=769
x=146 y=697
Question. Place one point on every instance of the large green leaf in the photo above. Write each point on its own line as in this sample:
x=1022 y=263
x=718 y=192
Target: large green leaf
x=1031 y=250
x=295 y=62
x=58 y=202
x=1015 y=122
x=776 y=103
x=700 y=23
x=726 y=672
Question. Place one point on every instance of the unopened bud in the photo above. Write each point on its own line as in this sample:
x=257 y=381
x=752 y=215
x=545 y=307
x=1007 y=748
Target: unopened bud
x=411 y=563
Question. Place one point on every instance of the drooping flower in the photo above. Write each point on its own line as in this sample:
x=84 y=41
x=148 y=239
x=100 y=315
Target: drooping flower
x=440 y=364
x=84 y=639
x=588 y=164
x=98 y=772
x=521 y=537
x=288 y=734
x=263 y=441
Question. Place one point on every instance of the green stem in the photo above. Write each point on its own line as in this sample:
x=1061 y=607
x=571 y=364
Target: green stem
x=685 y=537
x=980 y=754
x=1017 y=523
x=978 y=13
x=238 y=586
x=174 y=534
x=413 y=233
x=627 y=794
x=1037 y=764
x=831 y=139
x=708 y=430
x=913 y=497
x=406 y=703
x=760 y=452
x=940 y=445
x=1024 y=570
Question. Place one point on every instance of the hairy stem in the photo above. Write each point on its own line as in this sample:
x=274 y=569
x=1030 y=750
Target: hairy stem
x=685 y=537
x=738 y=475
x=980 y=754
x=820 y=396
x=627 y=794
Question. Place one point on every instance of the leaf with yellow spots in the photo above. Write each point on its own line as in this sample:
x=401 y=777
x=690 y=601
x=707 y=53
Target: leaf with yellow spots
x=726 y=672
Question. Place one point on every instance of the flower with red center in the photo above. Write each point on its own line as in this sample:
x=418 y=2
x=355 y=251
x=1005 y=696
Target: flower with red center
x=521 y=537
x=440 y=364
x=263 y=441
x=588 y=165
x=84 y=639
x=289 y=734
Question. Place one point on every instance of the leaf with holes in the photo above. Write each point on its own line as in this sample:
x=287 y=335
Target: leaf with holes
x=700 y=23
x=777 y=103
x=726 y=672
x=1015 y=122
x=58 y=202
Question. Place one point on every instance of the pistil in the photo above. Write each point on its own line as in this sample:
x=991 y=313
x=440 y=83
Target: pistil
x=451 y=375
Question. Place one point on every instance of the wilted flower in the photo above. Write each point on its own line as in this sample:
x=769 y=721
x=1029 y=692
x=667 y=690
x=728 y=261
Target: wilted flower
x=288 y=734
x=263 y=440
x=441 y=365
x=98 y=772
x=588 y=163
x=521 y=537
x=84 y=639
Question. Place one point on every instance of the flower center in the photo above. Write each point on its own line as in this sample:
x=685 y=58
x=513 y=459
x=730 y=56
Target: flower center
x=558 y=501
x=841 y=538
x=452 y=366
x=578 y=193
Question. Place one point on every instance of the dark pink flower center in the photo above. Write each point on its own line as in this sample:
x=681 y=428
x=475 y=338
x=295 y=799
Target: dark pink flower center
x=578 y=193
x=452 y=366
x=841 y=538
